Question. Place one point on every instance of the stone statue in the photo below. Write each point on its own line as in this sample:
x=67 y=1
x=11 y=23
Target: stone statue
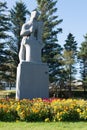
x=32 y=75
x=31 y=44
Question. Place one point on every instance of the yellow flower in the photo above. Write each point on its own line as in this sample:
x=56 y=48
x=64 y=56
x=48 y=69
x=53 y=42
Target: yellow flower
x=47 y=120
x=35 y=110
x=78 y=110
x=59 y=119
x=18 y=107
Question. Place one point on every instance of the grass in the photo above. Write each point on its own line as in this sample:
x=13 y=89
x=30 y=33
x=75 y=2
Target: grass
x=5 y=93
x=43 y=126
x=78 y=93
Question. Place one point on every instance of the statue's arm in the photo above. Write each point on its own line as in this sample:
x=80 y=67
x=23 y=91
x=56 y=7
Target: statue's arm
x=26 y=30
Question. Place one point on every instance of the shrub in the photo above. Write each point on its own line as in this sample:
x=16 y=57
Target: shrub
x=43 y=110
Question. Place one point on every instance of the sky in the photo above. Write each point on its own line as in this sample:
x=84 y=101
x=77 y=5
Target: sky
x=73 y=13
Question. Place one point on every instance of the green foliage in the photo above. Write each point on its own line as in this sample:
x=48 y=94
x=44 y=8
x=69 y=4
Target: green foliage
x=70 y=44
x=70 y=55
x=51 y=52
x=4 y=38
x=72 y=115
x=43 y=110
x=18 y=16
x=82 y=56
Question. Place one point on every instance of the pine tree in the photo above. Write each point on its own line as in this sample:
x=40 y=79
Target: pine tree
x=82 y=55
x=70 y=52
x=18 y=15
x=52 y=49
x=4 y=28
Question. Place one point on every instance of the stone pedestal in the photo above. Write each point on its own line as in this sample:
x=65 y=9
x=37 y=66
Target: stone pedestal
x=32 y=80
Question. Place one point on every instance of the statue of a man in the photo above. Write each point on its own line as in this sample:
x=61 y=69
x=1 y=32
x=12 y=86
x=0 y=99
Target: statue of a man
x=31 y=44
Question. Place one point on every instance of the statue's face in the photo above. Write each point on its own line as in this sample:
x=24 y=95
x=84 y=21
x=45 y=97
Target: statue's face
x=34 y=14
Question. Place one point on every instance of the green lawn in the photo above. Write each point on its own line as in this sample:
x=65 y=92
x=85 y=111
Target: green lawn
x=5 y=93
x=43 y=126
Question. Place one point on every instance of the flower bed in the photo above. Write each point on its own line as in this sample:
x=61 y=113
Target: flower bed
x=43 y=110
